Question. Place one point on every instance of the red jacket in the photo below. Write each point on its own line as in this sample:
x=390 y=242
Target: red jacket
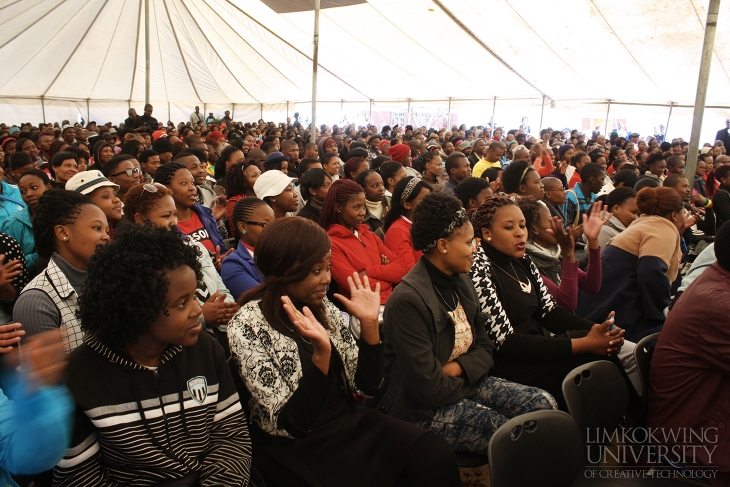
x=398 y=239
x=352 y=255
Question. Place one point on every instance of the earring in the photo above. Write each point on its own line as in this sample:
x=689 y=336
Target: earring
x=489 y=239
x=65 y=238
x=443 y=251
x=273 y=199
x=244 y=232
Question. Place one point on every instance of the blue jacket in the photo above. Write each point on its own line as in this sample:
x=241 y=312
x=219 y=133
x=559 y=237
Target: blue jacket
x=239 y=272
x=211 y=225
x=20 y=228
x=35 y=430
x=10 y=201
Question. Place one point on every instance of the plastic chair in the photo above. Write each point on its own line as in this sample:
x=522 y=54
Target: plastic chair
x=643 y=354
x=543 y=449
x=596 y=396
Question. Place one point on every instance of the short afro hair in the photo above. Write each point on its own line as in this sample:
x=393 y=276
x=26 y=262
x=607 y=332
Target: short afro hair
x=531 y=210
x=469 y=189
x=125 y=289
x=514 y=174
x=432 y=218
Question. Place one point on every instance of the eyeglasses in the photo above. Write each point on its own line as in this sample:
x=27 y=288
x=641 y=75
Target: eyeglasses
x=130 y=172
x=261 y=224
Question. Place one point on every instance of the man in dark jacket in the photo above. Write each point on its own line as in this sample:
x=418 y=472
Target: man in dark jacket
x=724 y=134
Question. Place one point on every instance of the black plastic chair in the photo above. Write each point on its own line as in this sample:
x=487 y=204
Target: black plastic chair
x=643 y=354
x=543 y=449
x=596 y=396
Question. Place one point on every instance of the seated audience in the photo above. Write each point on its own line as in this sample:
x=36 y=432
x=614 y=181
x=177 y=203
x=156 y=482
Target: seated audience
x=640 y=265
x=151 y=349
x=102 y=192
x=302 y=367
x=239 y=272
x=67 y=228
x=32 y=184
x=314 y=187
x=153 y=203
x=376 y=202
x=621 y=205
x=472 y=192
x=438 y=376
x=193 y=219
x=552 y=249
x=520 y=178
x=354 y=247
x=521 y=311
x=64 y=165
x=409 y=192
x=689 y=371
x=276 y=189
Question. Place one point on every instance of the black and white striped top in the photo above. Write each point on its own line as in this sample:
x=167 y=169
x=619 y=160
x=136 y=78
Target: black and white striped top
x=201 y=429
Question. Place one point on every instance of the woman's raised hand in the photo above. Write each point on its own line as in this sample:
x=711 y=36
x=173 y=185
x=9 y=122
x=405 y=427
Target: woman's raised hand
x=310 y=329
x=593 y=222
x=364 y=304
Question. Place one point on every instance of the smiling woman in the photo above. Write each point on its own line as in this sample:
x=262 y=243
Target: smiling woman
x=303 y=367
x=67 y=228
x=152 y=348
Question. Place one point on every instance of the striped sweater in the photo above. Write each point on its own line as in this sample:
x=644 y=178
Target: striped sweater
x=202 y=428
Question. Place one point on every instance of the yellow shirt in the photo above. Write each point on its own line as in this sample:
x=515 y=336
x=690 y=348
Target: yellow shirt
x=482 y=166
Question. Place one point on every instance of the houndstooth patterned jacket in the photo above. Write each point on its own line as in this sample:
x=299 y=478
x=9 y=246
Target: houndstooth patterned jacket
x=496 y=320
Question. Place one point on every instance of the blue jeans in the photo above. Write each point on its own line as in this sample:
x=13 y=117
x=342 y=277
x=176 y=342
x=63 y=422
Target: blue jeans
x=470 y=423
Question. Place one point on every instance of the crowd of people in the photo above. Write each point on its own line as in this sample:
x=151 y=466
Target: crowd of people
x=239 y=305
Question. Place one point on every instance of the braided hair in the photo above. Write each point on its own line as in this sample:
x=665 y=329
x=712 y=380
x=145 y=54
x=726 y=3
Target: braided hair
x=55 y=207
x=339 y=194
x=166 y=172
x=243 y=210
x=235 y=181
x=485 y=214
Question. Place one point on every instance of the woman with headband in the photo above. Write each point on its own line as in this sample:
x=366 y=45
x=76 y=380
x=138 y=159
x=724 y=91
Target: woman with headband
x=408 y=193
x=438 y=356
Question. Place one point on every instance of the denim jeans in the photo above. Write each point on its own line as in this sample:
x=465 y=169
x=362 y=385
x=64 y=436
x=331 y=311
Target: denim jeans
x=470 y=423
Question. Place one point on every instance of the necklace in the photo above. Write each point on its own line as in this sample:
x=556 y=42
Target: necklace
x=526 y=287
x=448 y=307
x=297 y=334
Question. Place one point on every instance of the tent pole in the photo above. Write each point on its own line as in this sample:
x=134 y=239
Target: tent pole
x=233 y=111
x=608 y=110
x=542 y=111
x=88 y=114
x=342 y=109
x=146 y=51
x=408 y=115
x=448 y=120
x=287 y=110
x=705 y=64
x=43 y=108
x=494 y=109
x=261 y=108
x=315 y=62
x=669 y=117
x=371 y=111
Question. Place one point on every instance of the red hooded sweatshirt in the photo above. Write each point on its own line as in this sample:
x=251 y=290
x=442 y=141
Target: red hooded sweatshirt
x=350 y=254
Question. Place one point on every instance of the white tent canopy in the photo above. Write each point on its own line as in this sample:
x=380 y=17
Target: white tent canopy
x=63 y=57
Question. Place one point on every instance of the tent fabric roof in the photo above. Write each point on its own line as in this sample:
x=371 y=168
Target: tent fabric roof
x=259 y=51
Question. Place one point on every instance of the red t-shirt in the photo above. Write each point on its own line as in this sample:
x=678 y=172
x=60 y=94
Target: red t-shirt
x=194 y=229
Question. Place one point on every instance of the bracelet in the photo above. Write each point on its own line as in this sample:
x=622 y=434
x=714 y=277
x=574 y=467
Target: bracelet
x=708 y=203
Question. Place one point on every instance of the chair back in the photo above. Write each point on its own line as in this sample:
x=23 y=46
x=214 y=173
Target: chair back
x=542 y=449
x=597 y=398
